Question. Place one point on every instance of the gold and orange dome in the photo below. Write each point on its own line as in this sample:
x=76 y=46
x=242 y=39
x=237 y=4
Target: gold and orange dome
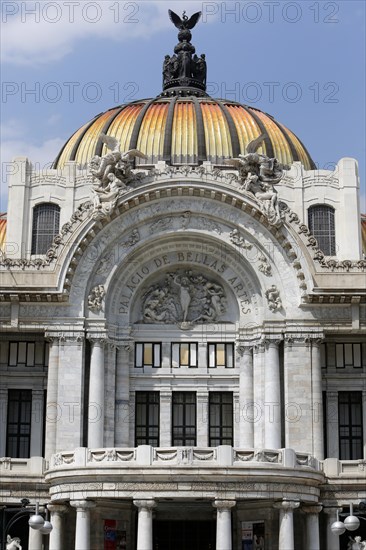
x=185 y=130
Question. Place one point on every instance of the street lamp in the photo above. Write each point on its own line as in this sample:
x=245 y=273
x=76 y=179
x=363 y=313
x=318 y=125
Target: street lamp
x=36 y=521
x=351 y=522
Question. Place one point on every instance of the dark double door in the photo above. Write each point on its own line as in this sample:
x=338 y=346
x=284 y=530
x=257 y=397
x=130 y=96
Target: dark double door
x=184 y=535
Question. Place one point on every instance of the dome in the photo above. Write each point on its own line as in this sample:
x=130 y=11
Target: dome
x=185 y=130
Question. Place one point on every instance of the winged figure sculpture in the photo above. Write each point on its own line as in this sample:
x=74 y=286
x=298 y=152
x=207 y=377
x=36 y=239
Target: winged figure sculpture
x=184 y=22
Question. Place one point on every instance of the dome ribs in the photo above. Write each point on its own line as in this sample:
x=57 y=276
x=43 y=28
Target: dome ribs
x=106 y=127
x=168 y=137
x=138 y=124
x=201 y=140
x=232 y=128
x=267 y=141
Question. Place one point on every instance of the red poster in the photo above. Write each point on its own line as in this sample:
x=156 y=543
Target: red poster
x=110 y=542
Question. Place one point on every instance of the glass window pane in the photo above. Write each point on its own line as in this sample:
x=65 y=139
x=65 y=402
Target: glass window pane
x=13 y=354
x=339 y=355
x=193 y=355
x=30 y=354
x=211 y=355
x=357 y=355
x=157 y=360
x=39 y=351
x=348 y=355
x=22 y=351
x=220 y=355
x=175 y=355
x=139 y=348
x=229 y=354
x=148 y=350
x=184 y=355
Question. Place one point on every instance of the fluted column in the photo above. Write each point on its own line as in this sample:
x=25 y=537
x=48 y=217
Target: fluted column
x=3 y=419
x=317 y=393
x=82 y=531
x=332 y=539
x=223 y=524
x=124 y=408
x=272 y=396
x=258 y=388
x=52 y=407
x=246 y=397
x=57 y=511
x=35 y=540
x=312 y=526
x=202 y=419
x=165 y=417
x=37 y=422
x=96 y=394
x=145 y=524
x=286 y=539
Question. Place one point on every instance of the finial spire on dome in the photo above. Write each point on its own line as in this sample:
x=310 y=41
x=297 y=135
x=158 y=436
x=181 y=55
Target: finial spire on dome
x=184 y=73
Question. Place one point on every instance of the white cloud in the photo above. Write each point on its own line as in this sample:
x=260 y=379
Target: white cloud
x=33 y=39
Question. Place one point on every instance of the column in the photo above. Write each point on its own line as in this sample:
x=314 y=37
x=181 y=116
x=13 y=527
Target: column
x=96 y=394
x=145 y=524
x=71 y=390
x=37 y=423
x=202 y=419
x=165 y=418
x=35 y=541
x=124 y=408
x=332 y=424
x=258 y=390
x=82 y=531
x=3 y=419
x=223 y=524
x=312 y=526
x=272 y=396
x=332 y=539
x=52 y=407
x=317 y=393
x=246 y=398
x=57 y=511
x=286 y=531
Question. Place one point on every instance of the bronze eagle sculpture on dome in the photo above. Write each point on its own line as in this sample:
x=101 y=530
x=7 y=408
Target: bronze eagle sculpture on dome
x=184 y=22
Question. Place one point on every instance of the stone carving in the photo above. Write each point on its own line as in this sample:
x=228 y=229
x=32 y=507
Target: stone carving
x=161 y=224
x=264 y=266
x=273 y=298
x=13 y=543
x=96 y=298
x=112 y=174
x=184 y=68
x=258 y=174
x=238 y=240
x=132 y=239
x=209 y=225
x=356 y=543
x=184 y=298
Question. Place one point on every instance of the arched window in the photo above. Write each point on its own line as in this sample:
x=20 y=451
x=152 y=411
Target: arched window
x=321 y=224
x=46 y=223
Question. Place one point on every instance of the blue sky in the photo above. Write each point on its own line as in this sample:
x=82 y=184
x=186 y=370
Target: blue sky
x=63 y=62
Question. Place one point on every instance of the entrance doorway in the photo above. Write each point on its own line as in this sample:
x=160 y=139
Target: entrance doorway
x=184 y=535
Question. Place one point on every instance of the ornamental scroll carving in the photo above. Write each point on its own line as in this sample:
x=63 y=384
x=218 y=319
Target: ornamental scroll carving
x=184 y=298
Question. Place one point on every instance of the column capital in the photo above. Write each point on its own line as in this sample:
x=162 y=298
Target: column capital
x=244 y=348
x=83 y=504
x=145 y=504
x=57 y=508
x=97 y=339
x=312 y=508
x=224 y=504
x=287 y=505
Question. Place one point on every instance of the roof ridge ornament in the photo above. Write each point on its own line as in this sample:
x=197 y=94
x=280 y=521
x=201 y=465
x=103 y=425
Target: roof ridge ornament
x=184 y=73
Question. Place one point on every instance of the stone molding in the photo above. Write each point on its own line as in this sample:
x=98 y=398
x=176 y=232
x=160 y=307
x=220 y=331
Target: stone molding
x=83 y=504
x=224 y=504
x=59 y=509
x=312 y=509
x=287 y=505
x=145 y=504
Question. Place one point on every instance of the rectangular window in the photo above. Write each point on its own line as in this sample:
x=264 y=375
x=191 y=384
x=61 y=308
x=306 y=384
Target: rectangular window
x=147 y=418
x=148 y=355
x=350 y=425
x=184 y=419
x=184 y=355
x=221 y=355
x=348 y=355
x=19 y=423
x=22 y=353
x=220 y=419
